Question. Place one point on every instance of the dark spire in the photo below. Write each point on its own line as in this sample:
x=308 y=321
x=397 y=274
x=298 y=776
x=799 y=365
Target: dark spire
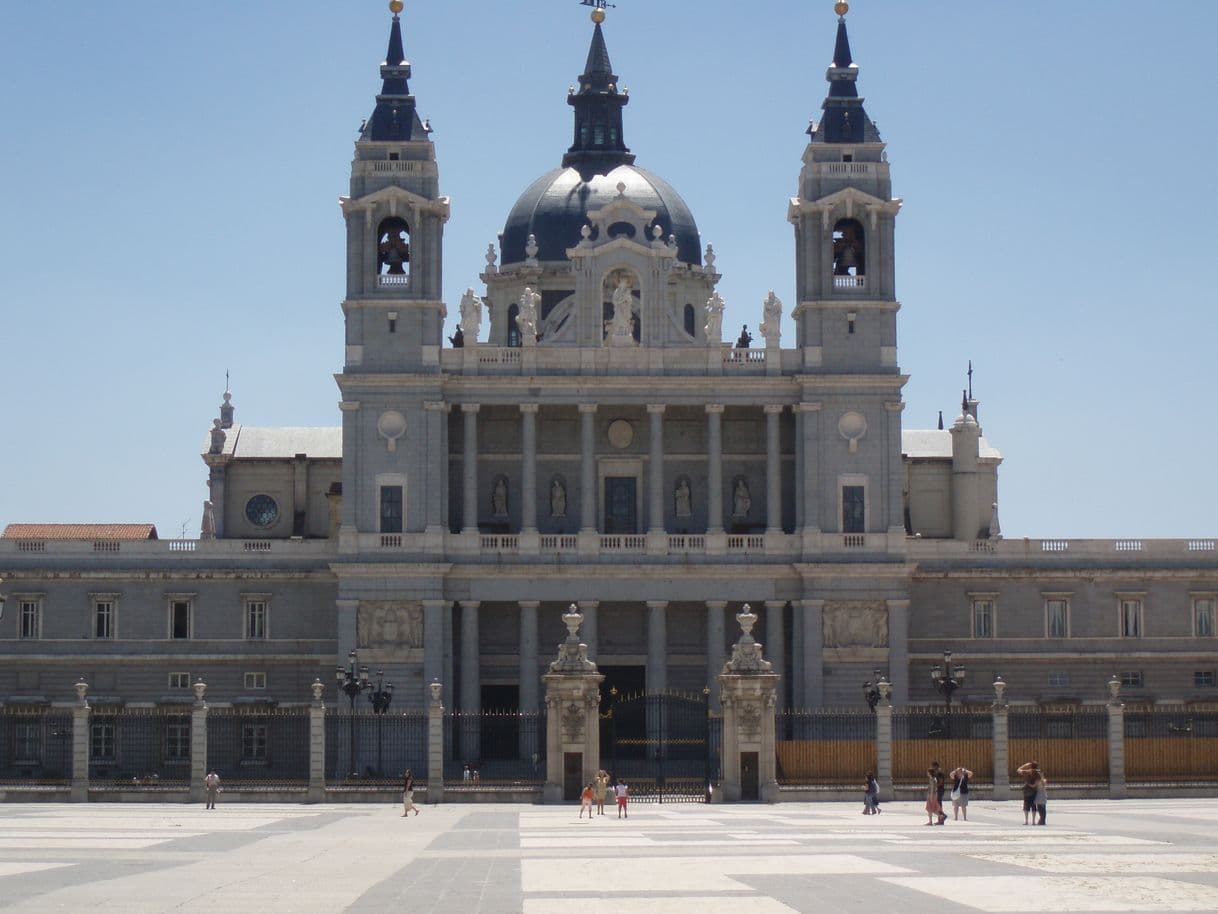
x=844 y=121
x=599 y=146
x=394 y=118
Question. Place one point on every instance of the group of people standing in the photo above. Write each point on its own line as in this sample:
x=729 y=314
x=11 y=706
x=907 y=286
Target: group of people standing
x=598 y=790
x=1035 y=792
x=936 y=787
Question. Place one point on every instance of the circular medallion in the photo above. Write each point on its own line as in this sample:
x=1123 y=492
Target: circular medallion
x=262 y=511
x=391 y=425
x=621 y=433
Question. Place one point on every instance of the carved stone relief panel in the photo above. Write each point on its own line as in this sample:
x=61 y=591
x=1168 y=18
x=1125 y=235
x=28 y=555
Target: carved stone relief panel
x=856 y=623
x=389 y=625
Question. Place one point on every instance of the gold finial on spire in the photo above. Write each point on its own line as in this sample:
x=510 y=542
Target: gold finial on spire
x=598 y=9
x=841 y=7
x=598 y=16
x=396 y=6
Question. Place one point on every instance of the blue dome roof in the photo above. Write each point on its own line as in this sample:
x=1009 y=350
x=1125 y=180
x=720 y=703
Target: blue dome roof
x=555 y=209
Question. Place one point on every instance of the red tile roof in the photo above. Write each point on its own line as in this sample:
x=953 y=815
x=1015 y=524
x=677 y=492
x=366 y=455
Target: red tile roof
x=79 y=532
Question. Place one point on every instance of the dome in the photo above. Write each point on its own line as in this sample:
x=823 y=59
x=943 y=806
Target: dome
x=555 y=208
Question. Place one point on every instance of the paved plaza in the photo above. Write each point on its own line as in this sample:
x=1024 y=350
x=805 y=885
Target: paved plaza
x=1154 y=855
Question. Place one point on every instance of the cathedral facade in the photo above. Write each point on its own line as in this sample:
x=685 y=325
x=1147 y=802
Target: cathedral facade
x=590 y=433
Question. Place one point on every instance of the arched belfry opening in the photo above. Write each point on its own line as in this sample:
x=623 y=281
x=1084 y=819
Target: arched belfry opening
x=849 y=248
x=393 y=248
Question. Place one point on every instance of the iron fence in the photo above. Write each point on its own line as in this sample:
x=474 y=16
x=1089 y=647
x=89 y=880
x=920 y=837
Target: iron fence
x=375 y=749
x=262 y=748
x=1171 y=744
x=1069 y=744
x=35 y=747
x=822 y=747
x=141 y=748
x=953 y=737
x=494 y=749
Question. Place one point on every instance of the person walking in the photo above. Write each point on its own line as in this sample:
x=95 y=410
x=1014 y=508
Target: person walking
x=1030 y=772
x=871 y=795
x=585 y=802
x=934 y=807
x=940 y=787
x=960 y=777
x=602 y=788
x=212 y=783
x=408 y=794
x=622 y=792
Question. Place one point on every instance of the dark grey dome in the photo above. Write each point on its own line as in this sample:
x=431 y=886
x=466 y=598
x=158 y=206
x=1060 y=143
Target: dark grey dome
x=555 y=208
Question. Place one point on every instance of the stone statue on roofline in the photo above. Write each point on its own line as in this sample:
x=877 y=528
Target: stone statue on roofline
x=771 y=325
x=526 y=319
x=713 y=310
x=471 y=316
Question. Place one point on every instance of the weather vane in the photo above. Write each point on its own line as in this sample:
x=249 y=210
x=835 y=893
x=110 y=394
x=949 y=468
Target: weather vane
x=597 y=4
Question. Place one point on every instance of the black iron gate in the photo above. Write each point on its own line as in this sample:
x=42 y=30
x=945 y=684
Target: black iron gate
x=662 y=745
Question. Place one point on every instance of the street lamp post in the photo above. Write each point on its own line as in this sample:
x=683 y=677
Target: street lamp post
x=381 y=696
x=947 y=678
x=871 y=690
x=353 y=681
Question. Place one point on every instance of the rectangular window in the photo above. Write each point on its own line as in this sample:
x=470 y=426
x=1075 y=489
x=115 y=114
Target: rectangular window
x=1057 y=617
x=253 y=743
x=1203 y=617
x=255 y=680
x=179 y=619
x=255 y=619
x=983 y=618
x=1131 y=618
x=179 y=680
x=31 y=618
x=101 y=742
x=391 y=509
x=854 y=509
x=103 y=619
x=1203 y=679
x=27 y=743
x=1133 y=679
x=1059 y=680
x=177 y=742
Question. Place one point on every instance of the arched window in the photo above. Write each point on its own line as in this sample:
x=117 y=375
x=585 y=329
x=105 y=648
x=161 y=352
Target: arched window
x=849 y=249
x=393 y=248
x=513 y=327
x=691 y=326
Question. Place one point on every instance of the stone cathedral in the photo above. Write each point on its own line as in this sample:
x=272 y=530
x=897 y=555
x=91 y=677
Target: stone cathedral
x=584 y=430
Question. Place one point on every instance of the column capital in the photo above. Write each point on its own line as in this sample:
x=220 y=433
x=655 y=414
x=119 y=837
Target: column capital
x=894 y=406
x=774 y=604
x=437 y=406
x=714 y=409
x=812 y=604
x=470 y=407
x=898 y=604
x=587 y=604
x=434 y=604
x=656 y=409
x=529 y=604
x=807 y=407
x=587 y=409
x=530 y=408
x=657 y=604
x=716 y=604
x=349 y=406
x=347 y=604
x=774 y=409
x=470 y=604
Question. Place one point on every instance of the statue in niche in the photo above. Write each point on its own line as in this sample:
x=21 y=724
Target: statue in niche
x=499 y=498
x=683 y=498
x=771 y=326
x=742 y=501
x=471 y=315
x=526 y=318
x=621 y=326
x=558 y=498
x=714 y=319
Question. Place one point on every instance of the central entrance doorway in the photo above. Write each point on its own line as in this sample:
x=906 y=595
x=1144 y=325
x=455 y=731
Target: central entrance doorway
x=621 y=504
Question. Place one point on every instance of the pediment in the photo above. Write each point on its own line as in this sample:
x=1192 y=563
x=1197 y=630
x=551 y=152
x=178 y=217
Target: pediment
x=394 y=200
x=848 y=200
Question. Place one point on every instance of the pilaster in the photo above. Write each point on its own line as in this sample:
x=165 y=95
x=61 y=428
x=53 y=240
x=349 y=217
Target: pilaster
x=655 y=486
x=469 y=461
x=433 y=643
x=716 y=647
x=775 y=631
x=898 y=650
x=657 y=645
x=437 y=484
x=773 y=470
x=587 y=473
x=809 y=483
x=528 y=470
x=714 y=469
x=470 y=698
x=813 y=652
x=530 y=681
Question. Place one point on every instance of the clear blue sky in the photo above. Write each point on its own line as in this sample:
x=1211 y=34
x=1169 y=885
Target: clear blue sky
x=170 y=175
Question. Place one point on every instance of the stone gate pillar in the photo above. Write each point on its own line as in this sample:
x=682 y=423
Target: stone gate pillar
x=435 y=742
x=883 y=740
x=573 y=732
x=317 y=745
x=80 y=744
x=198 y=743
x=1002 y=742
x=749 y=690
x=1116 y=740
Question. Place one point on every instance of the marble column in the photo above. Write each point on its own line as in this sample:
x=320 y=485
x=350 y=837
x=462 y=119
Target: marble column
x=470 y=698
x=813 y=652
x=528 y=469
x=714 y=468
x=655 y=513
x=775 y=645
x=433 y=645
x=530 y=676
x=469 y=518
x=587 y=485
x=589 y=609
x=773 y=472
x=657 y=645
x=716 y=648
x=898 y=651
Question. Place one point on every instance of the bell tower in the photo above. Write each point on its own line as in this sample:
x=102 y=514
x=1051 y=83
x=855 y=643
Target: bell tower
x=845 y=318
x=394 y=317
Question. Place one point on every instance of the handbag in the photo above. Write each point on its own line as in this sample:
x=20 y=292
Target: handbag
x=955 y=794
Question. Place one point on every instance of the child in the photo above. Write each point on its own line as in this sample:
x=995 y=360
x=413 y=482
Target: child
x=622 y=792
x=585 y=802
